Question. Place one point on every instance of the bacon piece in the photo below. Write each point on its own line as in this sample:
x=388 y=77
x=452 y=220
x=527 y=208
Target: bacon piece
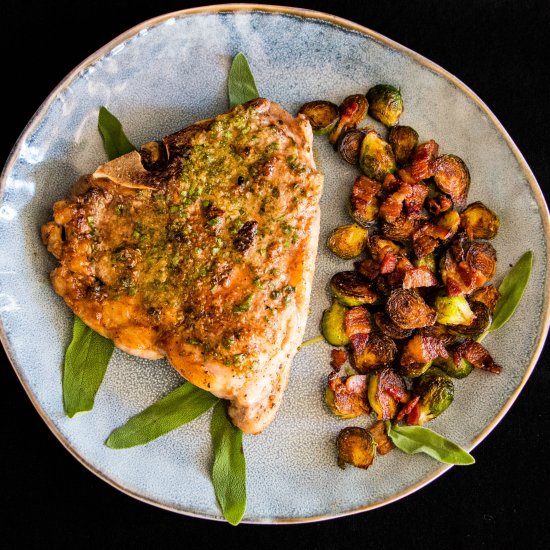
x=405 y=175
x=407 y=409
x=388 y=264
x=350 y=397
x=379 y=246
x=414 y=416
x=427 y=238
x=337 y=358
x=396 y=277
x=488 y=295
x=439 y=204
x=369 y=268
x=415 y=201
x=476 y=354
x=423 y=157
x=422 y=349
x=419 y=277
x=364 y=199
x=357 y=327
x=390 y=183
x=392 y=206
x=383 y=443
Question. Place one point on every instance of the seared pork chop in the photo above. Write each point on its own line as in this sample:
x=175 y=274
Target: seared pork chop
x=201 y=248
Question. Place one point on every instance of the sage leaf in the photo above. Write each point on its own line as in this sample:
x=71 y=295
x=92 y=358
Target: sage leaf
x=417 y=439
x=511 y=290
x=114 y=139
x=241 y=84
x=229 y=466
x=86 y=361
x=179 y=407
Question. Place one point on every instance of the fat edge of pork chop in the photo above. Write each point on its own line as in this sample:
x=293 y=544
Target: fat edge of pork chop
x=201 y=248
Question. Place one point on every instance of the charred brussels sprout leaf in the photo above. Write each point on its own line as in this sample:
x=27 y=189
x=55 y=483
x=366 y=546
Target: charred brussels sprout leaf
x=453 y=310
x=403 y=140
x=332 y=325
x=356 y=446
x=436 y=392
x=385 y=104
x=479 y=222
x=386 y=388
x=352 y=289
x=376 y=158
x=451 y=175
x=408 y=310
x=349 y=145
x=322 y=115
x=348 y=241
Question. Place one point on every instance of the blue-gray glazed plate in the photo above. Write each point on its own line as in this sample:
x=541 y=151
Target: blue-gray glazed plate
x=165 y=74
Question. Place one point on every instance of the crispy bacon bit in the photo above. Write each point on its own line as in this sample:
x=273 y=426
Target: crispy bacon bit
x=369 y=268
x=440 y=204
x=390 y=184
x=421 y=349
x=423 y=157
x=383 y=443
x=365 y=189
x=415 y=201
x=488 y=295
x=419 y=277
x=476 y=354
x=337 y=358
x=357 y=327
x=396 y=277
x=392 y=206
x=349 y=398
x=388 y=263
x=427 y=239
x=379 y=246
x=414 y=416
x=458 y=246
x=407 y=409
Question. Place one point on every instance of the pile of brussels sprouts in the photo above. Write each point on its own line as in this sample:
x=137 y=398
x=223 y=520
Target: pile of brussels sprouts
x=407 y=317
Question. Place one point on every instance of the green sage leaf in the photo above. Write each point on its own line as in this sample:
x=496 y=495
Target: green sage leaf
x=114 y=139
x=179 y=407
x=241 y=84
x=511 y=290
x=86 y=361
x=417 y=439
x=229 y=466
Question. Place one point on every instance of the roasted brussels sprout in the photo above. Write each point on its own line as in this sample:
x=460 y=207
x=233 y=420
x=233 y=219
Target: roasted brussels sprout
x=453 y=310
x=322 y=115
x=414 y=370
x=436 y=393
x=479 y=222
x=351 y=289
x=352 y=111
x=389 y=328
x=348 y=241
x=481 y=322
x=401 y=230
x=376 y=158
x=449 y=367
x=332 y=324
x=450 y=221
x=364 y=200
x=379 y=246
x=349 y=145
x=347 y=399
x=385 y=104
x=422 y=349
x=408 y=310
x=451 y=276
x=356 y=446
x=383 y=443
x=476 y=354
x=488 y=295
x=483 y=258
x=452 y=176
x=386 y=388
x=426 y=261
x=379 y=351
x=403 y=140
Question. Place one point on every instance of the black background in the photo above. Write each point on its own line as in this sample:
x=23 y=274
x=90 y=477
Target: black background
x=499 y=49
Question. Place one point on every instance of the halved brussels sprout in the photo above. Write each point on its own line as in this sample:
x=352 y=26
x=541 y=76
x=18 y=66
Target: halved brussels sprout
x=401 y=230
x=364 y=200
x=352 y=111
x=449 y=367
x=488 y=295
x=379 y=351
x=426 y=261
x=351 y=289
x=386 y=388
x=479 y=222
x=376 y=158
x=347 y=399
x=450 y=221
x=322 y=115
x=481 y=322
x=453 y=310
x=408 y=310
x=385 y=104
x=483 y=258
x=436 y=391
x=332 y=324
x=349 y=145
x=348 y=241
x=403 y=140
x=356 y=446
x=451 y=175
x=389 y=328
x=414 y=370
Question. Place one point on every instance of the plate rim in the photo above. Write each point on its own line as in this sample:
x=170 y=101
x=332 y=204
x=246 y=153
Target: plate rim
x=346 y=25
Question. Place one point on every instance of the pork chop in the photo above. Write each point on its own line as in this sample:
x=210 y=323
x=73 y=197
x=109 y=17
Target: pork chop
x=201 y=248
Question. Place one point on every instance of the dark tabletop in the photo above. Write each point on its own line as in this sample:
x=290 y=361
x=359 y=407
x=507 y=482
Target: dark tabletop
x=498 y=49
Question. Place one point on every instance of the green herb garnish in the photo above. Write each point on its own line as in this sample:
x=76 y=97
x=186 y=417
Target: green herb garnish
x=241 y=84
x=114 y=139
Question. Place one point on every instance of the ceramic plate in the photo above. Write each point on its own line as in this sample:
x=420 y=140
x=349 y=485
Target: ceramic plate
x=162 y=76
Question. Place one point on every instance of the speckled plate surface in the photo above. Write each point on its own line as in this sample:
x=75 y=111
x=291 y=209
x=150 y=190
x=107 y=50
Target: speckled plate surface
x=165 y=74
